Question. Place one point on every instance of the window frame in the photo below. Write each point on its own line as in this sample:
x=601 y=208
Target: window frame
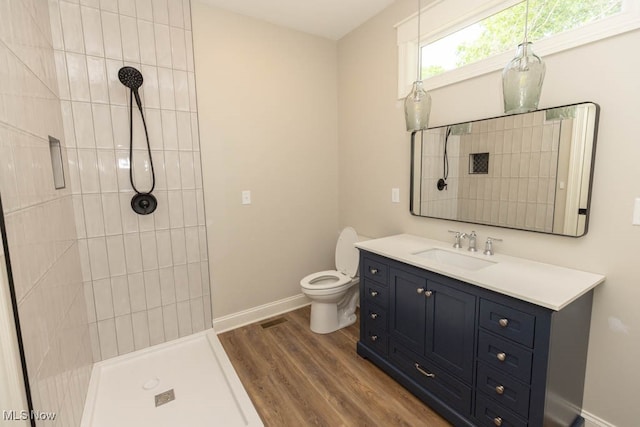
x=458 y=14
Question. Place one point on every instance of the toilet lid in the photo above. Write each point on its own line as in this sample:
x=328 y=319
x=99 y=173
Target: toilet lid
x=347 y=256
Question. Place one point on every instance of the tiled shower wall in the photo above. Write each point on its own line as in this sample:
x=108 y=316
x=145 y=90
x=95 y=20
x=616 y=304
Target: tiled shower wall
x=146 y=278
x=41 y=233
x=519 y=189
x=436 y=203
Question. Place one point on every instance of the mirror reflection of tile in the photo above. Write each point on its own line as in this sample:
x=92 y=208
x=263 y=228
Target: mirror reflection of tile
x=511 y=171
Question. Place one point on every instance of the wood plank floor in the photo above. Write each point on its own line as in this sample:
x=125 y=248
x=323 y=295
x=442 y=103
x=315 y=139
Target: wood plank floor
x=297 y=378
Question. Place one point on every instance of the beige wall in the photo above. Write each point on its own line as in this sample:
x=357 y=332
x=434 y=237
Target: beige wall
x=267 y=105
x=374 y=157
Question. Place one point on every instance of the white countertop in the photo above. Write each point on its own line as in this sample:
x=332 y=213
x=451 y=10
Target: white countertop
x=546 y=285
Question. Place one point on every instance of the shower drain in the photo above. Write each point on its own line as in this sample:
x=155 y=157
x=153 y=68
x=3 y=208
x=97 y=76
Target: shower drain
x=165 y=397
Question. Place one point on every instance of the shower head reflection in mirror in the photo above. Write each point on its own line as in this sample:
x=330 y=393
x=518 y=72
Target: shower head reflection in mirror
x=537 y=174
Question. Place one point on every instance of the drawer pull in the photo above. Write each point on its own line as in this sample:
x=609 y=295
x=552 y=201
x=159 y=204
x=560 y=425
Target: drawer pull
x=503 y=322
x=374 y=315
x=374 y=293
x=374 y=338
x=497 y=421
x=420 y=290
x=501 y=356
x=500 y=389
x=428 y=294
x=373 y=270
x=423 y=372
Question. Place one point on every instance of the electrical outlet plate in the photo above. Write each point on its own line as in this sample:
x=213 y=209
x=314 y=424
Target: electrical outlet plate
x=636 y=212
x=395 y=195
x=246 y=197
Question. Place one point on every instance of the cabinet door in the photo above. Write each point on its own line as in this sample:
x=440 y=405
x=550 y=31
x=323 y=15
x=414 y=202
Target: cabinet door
x=407 y=310
x=451 y=329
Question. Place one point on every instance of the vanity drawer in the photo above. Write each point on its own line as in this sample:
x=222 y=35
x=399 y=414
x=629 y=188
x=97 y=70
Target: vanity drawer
x=376 y=294
x=491 y=414
x=432 y=378
x=375 y=270
x=507 y=322
x=376 y=339
x=505 y=356
x=375 y=316
x=511 y=393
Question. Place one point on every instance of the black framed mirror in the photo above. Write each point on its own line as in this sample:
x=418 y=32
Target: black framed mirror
x=529 y=171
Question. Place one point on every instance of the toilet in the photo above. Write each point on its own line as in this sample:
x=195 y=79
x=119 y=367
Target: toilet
x=334 y=293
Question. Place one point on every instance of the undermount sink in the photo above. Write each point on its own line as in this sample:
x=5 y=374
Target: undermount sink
x=454 y=259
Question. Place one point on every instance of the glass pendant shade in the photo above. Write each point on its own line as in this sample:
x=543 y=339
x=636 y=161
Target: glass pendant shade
x=417 y=106
x=522 y=81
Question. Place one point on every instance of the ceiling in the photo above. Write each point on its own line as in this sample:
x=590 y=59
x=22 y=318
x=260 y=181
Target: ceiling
x=331 y=19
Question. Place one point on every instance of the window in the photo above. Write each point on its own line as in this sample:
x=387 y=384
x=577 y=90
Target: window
x=484 y=38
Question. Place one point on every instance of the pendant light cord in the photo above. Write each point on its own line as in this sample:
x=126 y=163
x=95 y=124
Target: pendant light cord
x=146 y=134
x=526 y=24
x=419 y=62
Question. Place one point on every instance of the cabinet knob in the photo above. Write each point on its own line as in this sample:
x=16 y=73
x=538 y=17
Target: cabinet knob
x=501 y=356
x=497 y=421
x=503 y=322
x=374 y=293
x=423 y=372
x=500 y=389
x=428 y=294
x=373 y=270
x=374 y=315
x=420 y=290
x=374 y=338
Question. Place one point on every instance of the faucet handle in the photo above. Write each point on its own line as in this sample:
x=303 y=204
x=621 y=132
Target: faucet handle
x=488 y=247
x=458 y=235
x=472 y=241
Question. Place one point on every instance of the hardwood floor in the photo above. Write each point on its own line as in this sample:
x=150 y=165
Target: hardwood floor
x=297 y=378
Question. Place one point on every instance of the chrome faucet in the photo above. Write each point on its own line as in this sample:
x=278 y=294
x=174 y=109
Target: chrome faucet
x=459 y=236
x=488 y=246
x=472 y=242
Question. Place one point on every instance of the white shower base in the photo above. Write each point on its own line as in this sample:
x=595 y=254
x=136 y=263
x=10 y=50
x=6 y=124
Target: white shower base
x=207 y=390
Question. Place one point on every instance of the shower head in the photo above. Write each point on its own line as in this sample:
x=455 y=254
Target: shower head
x=130 y=77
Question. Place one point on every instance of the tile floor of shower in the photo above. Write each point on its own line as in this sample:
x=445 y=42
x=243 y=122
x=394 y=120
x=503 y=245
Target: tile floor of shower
x=205 y=387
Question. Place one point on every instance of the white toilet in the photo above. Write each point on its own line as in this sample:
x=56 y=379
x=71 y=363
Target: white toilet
x=334 y=293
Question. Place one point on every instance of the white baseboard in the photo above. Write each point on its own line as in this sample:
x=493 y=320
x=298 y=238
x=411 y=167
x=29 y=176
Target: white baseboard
x=255 y=314
x=591 y=420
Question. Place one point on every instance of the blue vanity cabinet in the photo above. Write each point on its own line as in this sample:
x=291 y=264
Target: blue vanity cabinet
x=433 y=319
x=477 y=357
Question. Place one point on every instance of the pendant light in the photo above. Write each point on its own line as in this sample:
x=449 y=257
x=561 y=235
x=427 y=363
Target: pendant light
x=522 y=77
x=417 y=105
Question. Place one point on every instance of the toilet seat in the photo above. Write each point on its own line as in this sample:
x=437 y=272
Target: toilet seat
x=347 y=259
x=323 y=280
